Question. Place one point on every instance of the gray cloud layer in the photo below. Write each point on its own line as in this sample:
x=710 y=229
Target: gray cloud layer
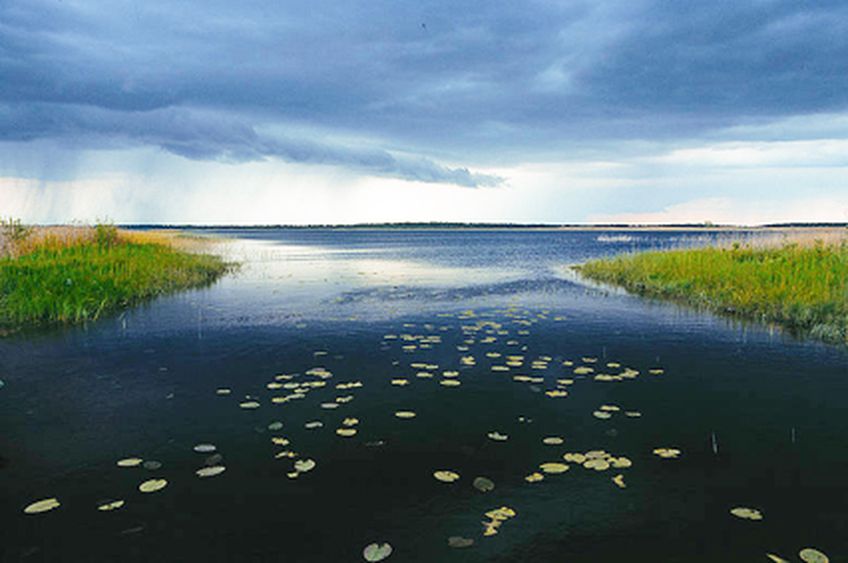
x=480 y=82
x=211 y=135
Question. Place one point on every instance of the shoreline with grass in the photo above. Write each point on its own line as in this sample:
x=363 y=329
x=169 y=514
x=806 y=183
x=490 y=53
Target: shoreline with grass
x=799 y=284
x=70 y=275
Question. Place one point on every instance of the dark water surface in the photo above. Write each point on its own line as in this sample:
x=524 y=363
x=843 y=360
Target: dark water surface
x=761 y=419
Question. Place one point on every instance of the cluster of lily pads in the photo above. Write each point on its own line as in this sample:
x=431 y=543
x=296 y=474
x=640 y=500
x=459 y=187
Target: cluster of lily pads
x=212 y=467
x=551 y=378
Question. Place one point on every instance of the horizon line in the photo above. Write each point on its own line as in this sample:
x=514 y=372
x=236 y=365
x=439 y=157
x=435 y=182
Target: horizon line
x=469 y=224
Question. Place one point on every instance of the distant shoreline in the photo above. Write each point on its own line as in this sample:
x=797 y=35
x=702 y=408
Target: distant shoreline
x=509 y=226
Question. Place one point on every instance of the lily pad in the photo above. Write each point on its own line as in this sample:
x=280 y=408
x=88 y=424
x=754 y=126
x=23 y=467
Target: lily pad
x=304 y=465
x=459 y=542
x=130 y=462
x=553 y=441
x=598 y=464
x=153 y=485
x=42 y=506
x=534 y=477
x=574 y=457
x=249 y=405
x=553 y=467
x=111 y=505
x=746 y=513
x=213 y=459
x=497 y=436
x=446 y=476
x=812 y=555
x=667 y=453
x=483 y=484
x=346 y=432
x=405 y=414
x=274 y=426
x=210 y=471
x=205 y=448
x=376 y=552
x=620 y=462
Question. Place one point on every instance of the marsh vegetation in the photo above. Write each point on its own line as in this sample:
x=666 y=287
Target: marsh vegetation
x=74 y=274
x=799 y=284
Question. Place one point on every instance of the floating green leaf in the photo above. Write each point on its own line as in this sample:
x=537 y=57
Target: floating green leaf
x=534 y=477
x=210 y=471
x=483 y=484
x=746 y=513
x=459 y=542
x=110 y=506
x=152 y=485
x=553 y=467
x=130 y=462
x=42 y=506
x=304 y=465
x=376 y=552
x=812 y=555
x=446 y=476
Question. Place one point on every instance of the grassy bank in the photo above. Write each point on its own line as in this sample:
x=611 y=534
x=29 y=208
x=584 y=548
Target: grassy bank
x=71 y=275
x=801 y=286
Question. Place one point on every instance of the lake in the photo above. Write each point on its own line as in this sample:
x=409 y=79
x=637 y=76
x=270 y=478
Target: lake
x=313 y=346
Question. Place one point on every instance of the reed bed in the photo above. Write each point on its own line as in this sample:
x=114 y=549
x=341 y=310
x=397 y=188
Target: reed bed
x=63 y=275
x=800 y=283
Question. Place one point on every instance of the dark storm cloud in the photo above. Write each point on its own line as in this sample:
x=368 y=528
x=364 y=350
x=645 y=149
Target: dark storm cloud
x=213 y=136
x=373 y=84
x=731 y=59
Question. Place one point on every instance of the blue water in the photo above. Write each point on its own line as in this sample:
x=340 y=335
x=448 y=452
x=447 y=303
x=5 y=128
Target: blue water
x=758 y=415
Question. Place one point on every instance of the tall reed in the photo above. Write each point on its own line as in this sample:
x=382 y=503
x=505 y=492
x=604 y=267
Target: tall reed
x=76 y=274
x=802 y=286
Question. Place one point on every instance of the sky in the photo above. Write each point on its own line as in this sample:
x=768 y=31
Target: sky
x=260 y=112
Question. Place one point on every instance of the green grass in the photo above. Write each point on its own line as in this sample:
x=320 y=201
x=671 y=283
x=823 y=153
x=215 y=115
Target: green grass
x=80 y=282
x=803 y=288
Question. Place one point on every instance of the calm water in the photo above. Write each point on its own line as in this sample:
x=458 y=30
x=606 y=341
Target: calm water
x=760 y=418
